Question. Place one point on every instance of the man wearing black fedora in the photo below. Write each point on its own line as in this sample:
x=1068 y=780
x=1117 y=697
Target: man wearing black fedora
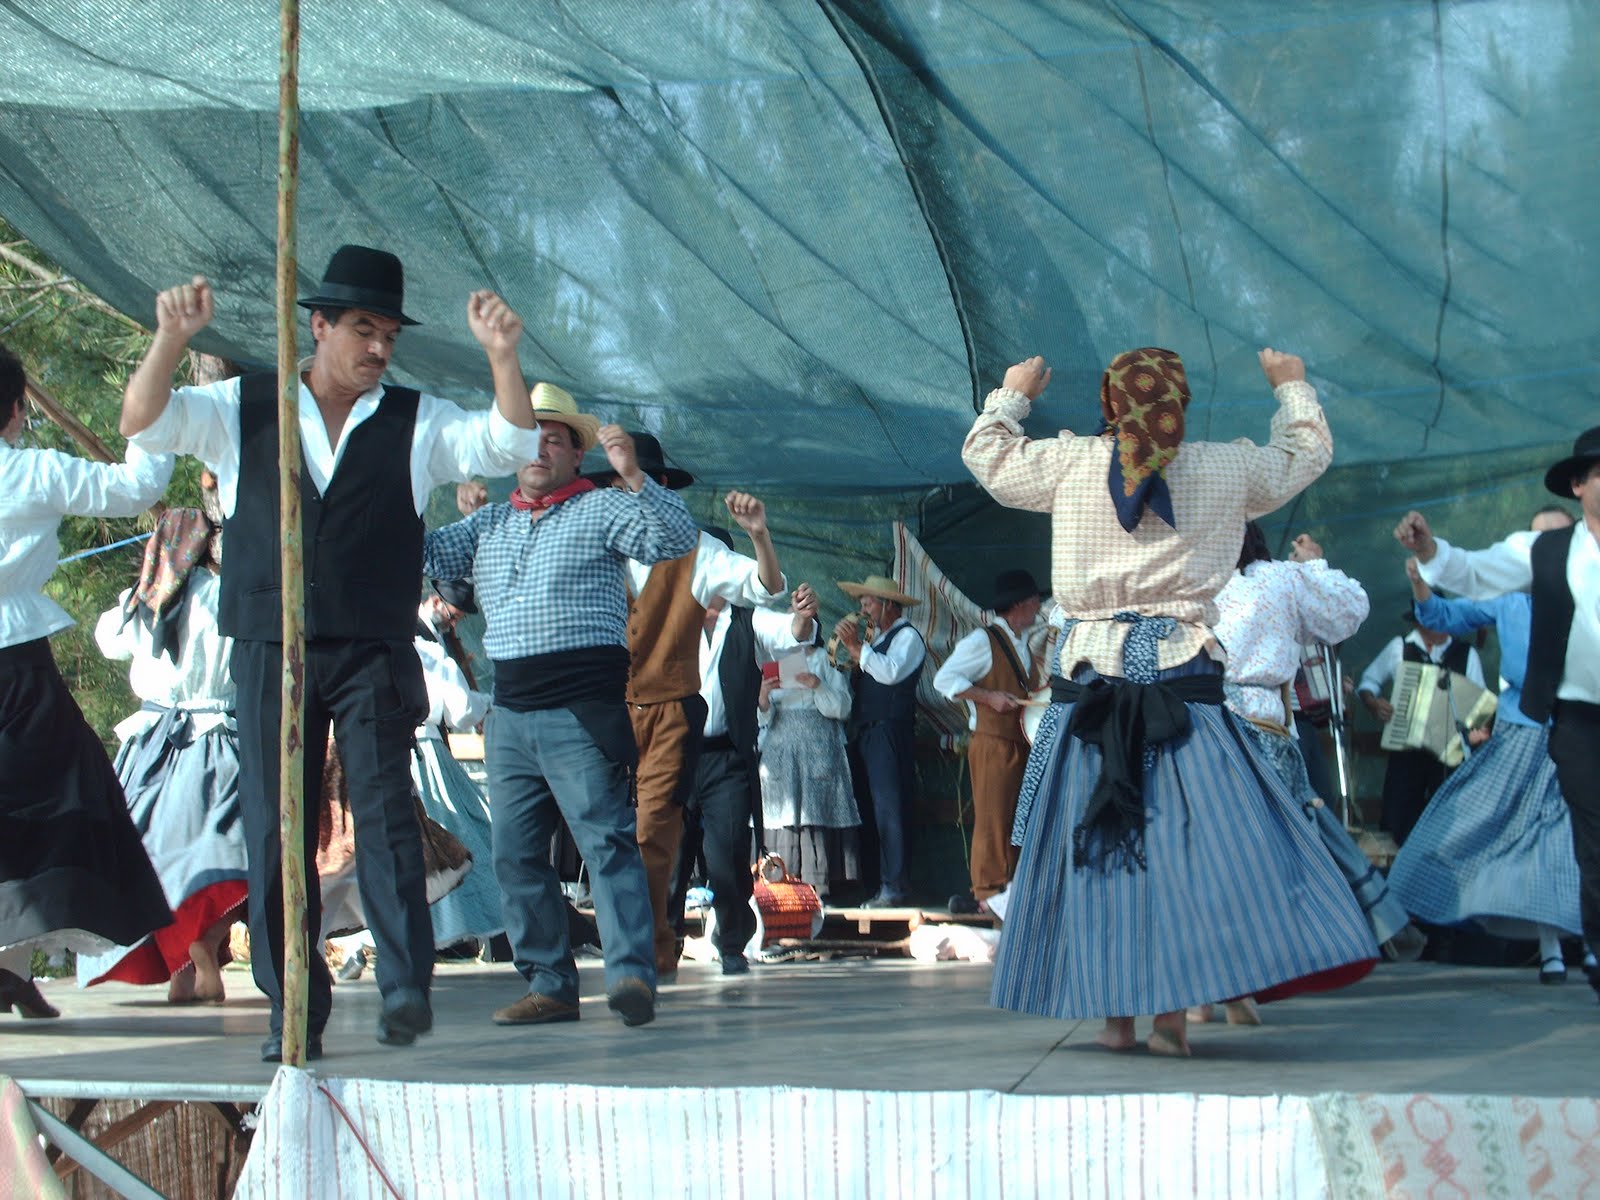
x=992 y=669
x=372 y=454
x=1561 y=567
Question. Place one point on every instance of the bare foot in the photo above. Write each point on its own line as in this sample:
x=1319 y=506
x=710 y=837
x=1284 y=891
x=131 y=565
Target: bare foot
x=1200 y=1014
x=1242 y=1012
x=207 y=986
x=1117 y=1035
x=1170 y=1036
x=180 y=990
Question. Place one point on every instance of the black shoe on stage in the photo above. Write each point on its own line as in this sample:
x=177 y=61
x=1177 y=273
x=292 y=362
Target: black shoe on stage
x=963 y=904
x=406 y=1017
x=272 y=1048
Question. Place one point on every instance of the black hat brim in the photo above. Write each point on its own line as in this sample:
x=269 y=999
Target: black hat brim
x=676 y=477
x=1558 y=479
x=376 y=307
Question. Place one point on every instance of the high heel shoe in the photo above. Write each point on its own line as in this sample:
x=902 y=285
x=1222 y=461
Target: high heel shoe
x=24 y=996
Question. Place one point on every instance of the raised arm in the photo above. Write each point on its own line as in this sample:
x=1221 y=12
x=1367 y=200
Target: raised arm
x=498 y=329
x=80 y=488
x=1300 y=447
x=181 y=312
x=1481 y=574
x=1013 y=468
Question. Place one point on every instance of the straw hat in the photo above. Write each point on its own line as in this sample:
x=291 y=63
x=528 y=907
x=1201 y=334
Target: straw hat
x=880 y=586
x=550 y=403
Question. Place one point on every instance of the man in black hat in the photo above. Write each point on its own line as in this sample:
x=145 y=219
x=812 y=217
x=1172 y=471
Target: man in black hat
x=1411 y=777
x=992 y=669
x=372 y=454
x=1561 y=567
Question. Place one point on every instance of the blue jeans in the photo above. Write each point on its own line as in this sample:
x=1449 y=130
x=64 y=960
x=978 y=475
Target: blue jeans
x=539 y=762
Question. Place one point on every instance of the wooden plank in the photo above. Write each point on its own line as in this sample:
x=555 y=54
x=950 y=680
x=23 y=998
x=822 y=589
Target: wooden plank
x=119 y=1132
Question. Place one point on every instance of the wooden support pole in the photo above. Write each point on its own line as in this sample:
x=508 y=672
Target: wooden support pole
x=291 y=755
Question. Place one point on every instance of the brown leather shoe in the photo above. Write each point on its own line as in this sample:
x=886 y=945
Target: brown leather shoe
x=536 y=1009
x=634 y=1001
x=25 y=997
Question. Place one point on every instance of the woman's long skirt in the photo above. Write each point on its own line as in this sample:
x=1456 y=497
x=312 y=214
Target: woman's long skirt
x=183 y=796
x=1495 y=843
x=73 y=874
x=1239 y=896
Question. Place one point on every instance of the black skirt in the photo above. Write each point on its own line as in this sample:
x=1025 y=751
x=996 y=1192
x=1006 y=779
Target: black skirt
x=70 y=858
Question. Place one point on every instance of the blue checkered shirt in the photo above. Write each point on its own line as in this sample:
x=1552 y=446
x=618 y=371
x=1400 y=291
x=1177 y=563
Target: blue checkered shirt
x=557 y=583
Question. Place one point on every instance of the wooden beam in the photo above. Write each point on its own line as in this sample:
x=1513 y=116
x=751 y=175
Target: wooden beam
x=118 y=1132
x=86 y=438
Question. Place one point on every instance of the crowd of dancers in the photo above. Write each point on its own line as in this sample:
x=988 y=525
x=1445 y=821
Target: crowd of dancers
x=630 y=717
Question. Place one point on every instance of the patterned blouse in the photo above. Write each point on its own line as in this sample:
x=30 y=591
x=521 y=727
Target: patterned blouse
x=1098 y=569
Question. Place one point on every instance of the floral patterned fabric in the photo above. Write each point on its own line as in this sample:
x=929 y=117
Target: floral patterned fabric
x=1143 y=394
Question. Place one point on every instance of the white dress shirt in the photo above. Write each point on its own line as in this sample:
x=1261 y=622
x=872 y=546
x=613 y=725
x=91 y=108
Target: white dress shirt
x=718 y=571
x=448 y=443
x=38 y=488
x=1507 y=567
x=1381 y=671
x=891 y=666
x=971 y=659
x=774 y=636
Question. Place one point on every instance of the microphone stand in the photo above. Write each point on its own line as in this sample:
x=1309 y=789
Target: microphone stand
x=1333 y=672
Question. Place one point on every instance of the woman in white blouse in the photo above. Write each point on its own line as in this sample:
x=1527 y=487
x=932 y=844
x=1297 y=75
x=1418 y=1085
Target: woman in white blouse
x=72 y=872
x=179 y=760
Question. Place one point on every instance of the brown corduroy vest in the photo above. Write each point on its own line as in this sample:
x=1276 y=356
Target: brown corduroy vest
x=1001 y=677
x=664 y=623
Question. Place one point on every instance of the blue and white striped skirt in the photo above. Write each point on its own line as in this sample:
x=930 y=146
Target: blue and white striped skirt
x=1239 y=898
x=1494 y=845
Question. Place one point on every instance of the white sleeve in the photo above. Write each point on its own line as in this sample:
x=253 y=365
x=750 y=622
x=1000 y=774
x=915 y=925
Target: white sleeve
x=461 y=444
x=970 y=660
x=67 y=484
x=832 y=695
x=905 y=655
x=1380 y=671
x=113 y=634
x=1483 y=574
x=1475 y=667
x=774 y=632
x=450 y=700
x=735 y=577
x=202 y=421
x=1331 y=604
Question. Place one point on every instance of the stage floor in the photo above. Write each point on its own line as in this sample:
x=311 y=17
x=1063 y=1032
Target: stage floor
x=879 y=1024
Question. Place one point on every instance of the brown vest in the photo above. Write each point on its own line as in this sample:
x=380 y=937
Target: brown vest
x=664 y=626
x=1002 y=677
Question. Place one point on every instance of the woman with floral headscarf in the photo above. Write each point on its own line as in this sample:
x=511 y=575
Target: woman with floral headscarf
x=179 y=761
x=1141 y=795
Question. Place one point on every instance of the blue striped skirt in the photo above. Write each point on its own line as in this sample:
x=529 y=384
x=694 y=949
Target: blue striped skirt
x=1239 y=898
x=1494 y=845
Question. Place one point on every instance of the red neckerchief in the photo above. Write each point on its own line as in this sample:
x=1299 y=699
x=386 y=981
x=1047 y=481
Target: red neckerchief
x=550 y=499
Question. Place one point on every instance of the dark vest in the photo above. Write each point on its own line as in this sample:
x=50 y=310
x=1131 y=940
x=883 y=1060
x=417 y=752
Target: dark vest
x=888 y=702
x=362 y=541
x=1551 y=622
x=1454 y=659
x=740 y=680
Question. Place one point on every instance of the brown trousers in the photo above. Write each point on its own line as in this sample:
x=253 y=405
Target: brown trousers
x=996 y=764
x=663 y=734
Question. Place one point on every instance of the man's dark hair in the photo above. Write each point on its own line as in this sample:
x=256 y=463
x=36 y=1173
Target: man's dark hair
x=329 y=314
x=1255 y=546
x=1554 y=508
x=13 y=384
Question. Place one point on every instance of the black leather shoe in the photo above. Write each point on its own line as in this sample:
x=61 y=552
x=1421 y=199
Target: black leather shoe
x=963 y=904
x=735 y=964
x=272 y=1048
x=1552 y=971
x=406 y=1019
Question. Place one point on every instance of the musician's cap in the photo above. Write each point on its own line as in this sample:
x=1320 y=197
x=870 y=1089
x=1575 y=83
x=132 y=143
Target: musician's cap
x=1012 y=588
x=880 y=586
x=458 y=593
x=1585 y=453
x=652 y=461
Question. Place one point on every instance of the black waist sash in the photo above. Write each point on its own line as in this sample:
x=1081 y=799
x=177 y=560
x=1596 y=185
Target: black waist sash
x=1123 y=719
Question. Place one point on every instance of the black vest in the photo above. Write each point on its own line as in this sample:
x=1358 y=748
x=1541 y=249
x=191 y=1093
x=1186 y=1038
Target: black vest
x=888 y=702
x=362 y=541
x=1453 y=659
x=1551 y=622
x=740 y=680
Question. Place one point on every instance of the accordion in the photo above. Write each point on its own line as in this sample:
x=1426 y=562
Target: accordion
x=1431 y=705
